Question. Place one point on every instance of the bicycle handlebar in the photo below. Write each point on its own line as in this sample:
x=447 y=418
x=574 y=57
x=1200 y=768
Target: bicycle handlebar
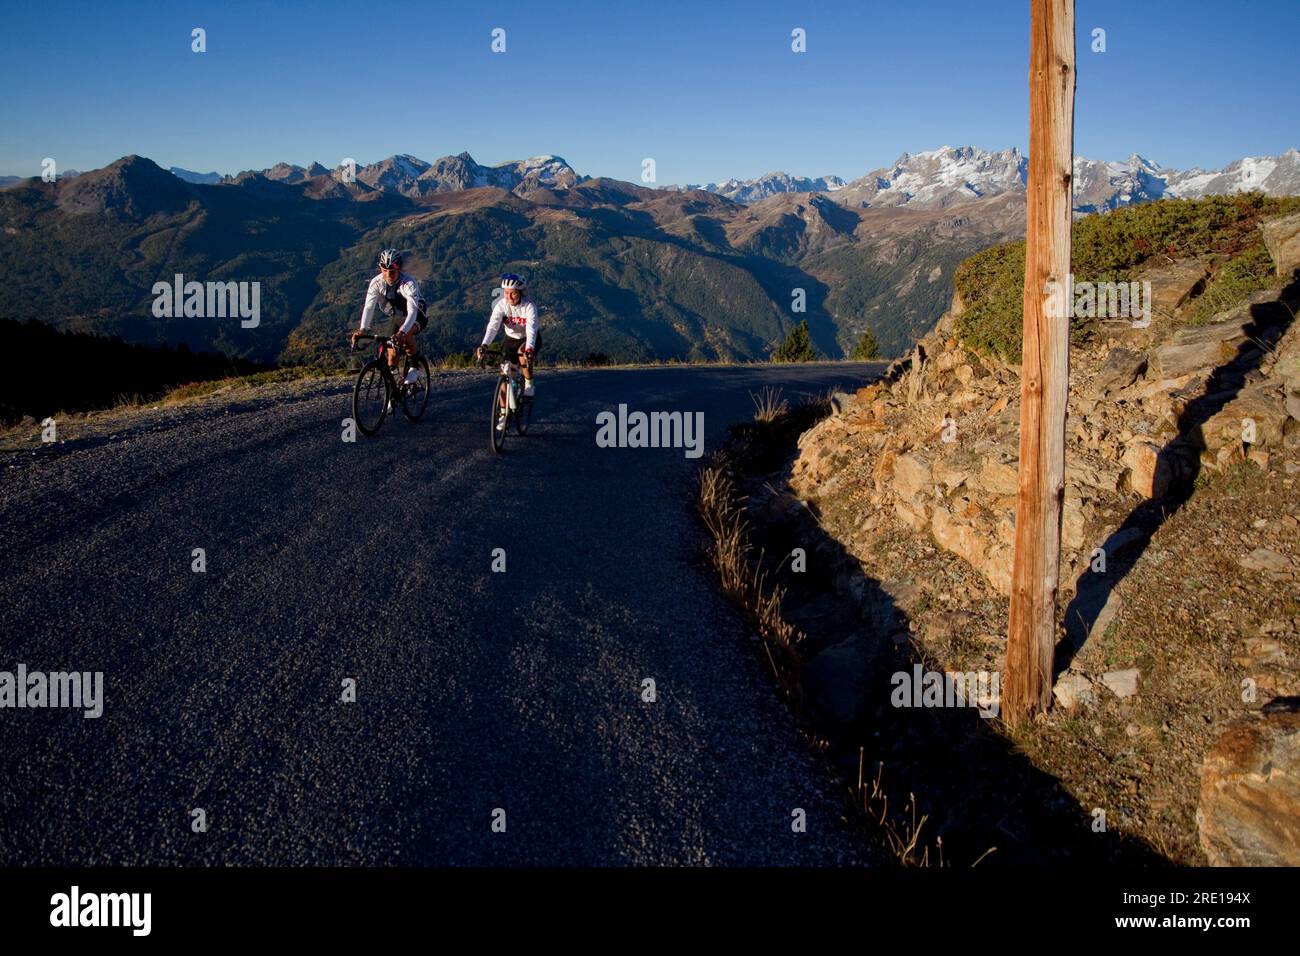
x=495 y=351
x=369 y=335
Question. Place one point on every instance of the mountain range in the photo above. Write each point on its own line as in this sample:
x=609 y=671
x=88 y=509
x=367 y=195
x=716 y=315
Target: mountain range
x=413 y=177
x=632 y=272
x=935 y=178
x=951 y=174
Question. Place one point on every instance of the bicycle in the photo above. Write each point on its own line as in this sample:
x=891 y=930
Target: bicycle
x=509 y=392
x=375 y=390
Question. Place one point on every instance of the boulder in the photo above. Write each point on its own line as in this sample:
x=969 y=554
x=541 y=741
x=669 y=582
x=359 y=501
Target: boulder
x=1231 y=326
x=1177 y=359
x=1286 y=356
x=1172 y=285
x=1072 y=690
x=1149 y=473
x=1123 y=684
x=911 y=476
x=950 y=474
x=1249 y=812
x=910 y=515
x=1072 y=522
x=1120 y=370
x=1285 y=368
x=842 y=402
x=997 y=478
x=959 y=537
x=1260 y=404
x=1101 y=476
x=1282 y=239
x=997 y=568
x=1267 y=561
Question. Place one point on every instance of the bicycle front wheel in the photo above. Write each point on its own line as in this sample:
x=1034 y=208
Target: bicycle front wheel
x=370 y=398
x=498 y=434
x=415 y=397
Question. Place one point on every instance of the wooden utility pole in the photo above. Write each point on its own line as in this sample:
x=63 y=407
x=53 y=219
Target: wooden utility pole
x=1045 y=374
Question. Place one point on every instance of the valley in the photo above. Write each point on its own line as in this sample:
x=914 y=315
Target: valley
x=622 y=270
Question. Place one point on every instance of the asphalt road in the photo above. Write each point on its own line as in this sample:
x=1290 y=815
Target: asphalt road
x=476 y=691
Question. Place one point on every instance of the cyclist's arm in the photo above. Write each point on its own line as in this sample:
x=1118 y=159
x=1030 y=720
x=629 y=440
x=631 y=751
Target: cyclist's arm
x=494 y=322
x=372 y=303
x=411 y=289
x=530 y=325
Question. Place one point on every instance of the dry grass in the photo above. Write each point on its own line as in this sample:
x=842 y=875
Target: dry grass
x=768 y=404
x=742 y=580
x=903 y=837
x=745 y=584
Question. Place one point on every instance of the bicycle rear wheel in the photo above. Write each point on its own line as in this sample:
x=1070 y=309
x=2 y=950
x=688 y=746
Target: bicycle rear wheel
x=415 y=395
x=370 y=398
x=498 y=435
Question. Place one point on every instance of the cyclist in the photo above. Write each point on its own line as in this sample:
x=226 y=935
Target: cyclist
x=517 y=315
x=396 y=293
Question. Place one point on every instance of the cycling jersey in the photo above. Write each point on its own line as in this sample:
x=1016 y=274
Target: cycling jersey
x=400 y=299
x=519 y=321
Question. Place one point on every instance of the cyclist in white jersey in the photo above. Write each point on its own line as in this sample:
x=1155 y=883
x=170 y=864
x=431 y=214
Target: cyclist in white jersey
x=516 y=314
x=396 y=294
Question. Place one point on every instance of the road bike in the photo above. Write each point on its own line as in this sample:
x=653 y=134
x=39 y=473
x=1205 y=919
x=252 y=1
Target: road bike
x=377 y=390
x=508 y=394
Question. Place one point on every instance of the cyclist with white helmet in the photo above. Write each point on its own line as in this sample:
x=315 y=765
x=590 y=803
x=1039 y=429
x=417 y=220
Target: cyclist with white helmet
x=516 y=313
x=397 y=295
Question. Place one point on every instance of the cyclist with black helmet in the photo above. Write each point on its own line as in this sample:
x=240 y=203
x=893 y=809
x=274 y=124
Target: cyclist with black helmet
x=397 y=295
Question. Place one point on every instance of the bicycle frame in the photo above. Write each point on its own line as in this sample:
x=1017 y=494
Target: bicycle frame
x=512 y=378
x=394 y=390
x=382 y=344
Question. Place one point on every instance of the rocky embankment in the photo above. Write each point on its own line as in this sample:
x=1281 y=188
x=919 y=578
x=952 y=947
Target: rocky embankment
x=1180 y=583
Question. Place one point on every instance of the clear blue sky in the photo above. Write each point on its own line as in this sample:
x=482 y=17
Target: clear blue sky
x=708 y=89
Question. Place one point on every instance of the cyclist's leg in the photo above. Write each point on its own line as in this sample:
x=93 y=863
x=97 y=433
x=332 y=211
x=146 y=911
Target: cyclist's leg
x=409 y=347
x=509 y=353
x=413 y=343
x=528 y=368
x=394 y=356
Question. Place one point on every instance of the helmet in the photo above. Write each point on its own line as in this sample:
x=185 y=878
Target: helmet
x=512 y=281
x=390 y=257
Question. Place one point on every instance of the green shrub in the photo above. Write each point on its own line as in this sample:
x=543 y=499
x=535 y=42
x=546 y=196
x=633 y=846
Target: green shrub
x=867 y=349
x=457 y=360
x=797 y=346
x=1109 y=247
x=1233 y=283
